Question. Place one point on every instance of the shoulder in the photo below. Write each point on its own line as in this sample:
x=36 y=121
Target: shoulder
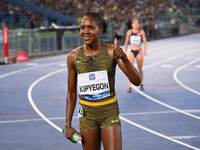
x=71 y=58
x=129 y=32
x=109 y=47
x=142 y=31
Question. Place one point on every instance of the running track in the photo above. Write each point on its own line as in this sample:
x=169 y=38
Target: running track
x=165 y=116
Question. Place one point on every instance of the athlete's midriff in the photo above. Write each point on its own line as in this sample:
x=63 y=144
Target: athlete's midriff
x=135 y=47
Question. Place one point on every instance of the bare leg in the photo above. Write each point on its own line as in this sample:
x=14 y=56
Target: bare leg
x=112 y=138
x=131 y=59
x=139 y=59
x=91 y=139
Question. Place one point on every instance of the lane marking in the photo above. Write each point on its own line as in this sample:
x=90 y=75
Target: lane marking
x=122 y=114
x=30 y=120
x=179 y=82
x=158 y=134
x=166 y=66
x=166 y=105
x=197 y=66
x=26 y=69
x=33 y=104
x=185 y=137
x=60 y=130
x=166 y=51
x=171 y=58
x=158 y=112
x=63 y=65
x=32 y=64
x=156 y=100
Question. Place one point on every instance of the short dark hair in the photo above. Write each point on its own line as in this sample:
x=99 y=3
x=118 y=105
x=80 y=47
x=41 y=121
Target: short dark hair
x=99 y=20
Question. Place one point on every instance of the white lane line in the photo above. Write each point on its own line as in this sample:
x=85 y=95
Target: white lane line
x=122 y=114
x=26 y=69
x=159 y=102
x=166 y=66
x=166 y=105
x=32 y=64
x=33 y=104
x=179 y=82
x=166 y=51
x=30 y=120
x=63 y=65
x=171 y=58
x=158 y=112
x=185 y=137
x=158 y=134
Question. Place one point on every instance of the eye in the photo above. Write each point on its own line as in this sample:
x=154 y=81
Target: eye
x=82 y=27
x=91 y=27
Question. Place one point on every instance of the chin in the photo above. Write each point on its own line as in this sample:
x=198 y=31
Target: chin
x=87 y=42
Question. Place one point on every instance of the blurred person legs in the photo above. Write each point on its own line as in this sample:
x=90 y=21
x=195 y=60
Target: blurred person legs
x=138 y=55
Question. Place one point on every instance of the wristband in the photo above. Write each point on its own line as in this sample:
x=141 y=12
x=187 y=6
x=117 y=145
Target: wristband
x=125 y=57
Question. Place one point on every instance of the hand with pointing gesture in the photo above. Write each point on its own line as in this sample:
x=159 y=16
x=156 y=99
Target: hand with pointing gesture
x=118 y=52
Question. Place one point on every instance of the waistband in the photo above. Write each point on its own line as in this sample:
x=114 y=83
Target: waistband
x=136 y=50
x=114 y=99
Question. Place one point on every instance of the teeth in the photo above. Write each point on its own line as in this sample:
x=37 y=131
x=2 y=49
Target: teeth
x=86 y=37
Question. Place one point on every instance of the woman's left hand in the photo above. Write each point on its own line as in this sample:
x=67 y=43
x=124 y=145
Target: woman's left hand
x=145 y=53
x=118 y=52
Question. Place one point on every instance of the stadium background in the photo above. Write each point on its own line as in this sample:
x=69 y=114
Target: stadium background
x=32 y=95
x=33 y=24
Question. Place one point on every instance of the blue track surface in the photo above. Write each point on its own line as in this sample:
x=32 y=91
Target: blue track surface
x=165 y=116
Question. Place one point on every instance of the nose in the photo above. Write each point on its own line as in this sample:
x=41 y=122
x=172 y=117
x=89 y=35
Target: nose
x=86 y=30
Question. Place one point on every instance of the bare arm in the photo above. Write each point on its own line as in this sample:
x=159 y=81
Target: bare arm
x=145 y=42
x=126 y=41
x=125 y=65
x=71 y=95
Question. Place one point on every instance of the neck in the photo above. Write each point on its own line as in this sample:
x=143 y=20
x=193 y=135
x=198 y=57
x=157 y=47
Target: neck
x=135 y=29
x=93 y=46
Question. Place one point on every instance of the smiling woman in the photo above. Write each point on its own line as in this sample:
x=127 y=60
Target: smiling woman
x=91 y=67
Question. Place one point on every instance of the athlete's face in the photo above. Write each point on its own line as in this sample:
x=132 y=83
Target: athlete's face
x=89 y=31
x=135 y=24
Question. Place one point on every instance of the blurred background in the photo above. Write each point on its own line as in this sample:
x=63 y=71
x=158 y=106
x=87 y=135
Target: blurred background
x=50 y=27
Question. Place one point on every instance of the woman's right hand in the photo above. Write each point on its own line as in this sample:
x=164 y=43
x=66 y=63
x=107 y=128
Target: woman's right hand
x=69 y=133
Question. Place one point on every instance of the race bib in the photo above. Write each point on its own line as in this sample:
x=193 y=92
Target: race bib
x=80 y=111
x=135 y=40
x=94 y=85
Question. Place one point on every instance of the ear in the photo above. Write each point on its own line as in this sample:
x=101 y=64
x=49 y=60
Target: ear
x=100 y=30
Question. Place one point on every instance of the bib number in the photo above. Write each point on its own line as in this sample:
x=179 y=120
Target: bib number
x=94 y=85
x=135 y=40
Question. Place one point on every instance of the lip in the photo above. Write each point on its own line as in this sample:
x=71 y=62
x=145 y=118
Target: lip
x=86 y=37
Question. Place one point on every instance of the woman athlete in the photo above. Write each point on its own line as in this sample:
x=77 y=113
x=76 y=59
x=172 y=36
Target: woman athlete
x=135 y=36
x=91 y=70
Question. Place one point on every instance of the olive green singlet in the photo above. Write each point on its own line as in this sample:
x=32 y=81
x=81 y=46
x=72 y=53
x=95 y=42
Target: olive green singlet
x=98 y=62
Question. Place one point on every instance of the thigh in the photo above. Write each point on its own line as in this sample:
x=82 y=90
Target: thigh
x=111 y=138
x=139 y=59
x=91 y=139
x=131 y=57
